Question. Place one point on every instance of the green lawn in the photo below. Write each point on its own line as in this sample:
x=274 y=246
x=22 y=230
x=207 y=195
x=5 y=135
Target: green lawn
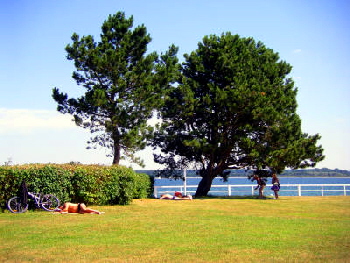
x=292 y=229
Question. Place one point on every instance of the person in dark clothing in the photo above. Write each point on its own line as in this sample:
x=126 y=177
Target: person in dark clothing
x=261 y=185
x=23 y=193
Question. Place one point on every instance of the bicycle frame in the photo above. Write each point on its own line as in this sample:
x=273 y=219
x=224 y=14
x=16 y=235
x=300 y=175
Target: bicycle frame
x=48 y=202
x=36 y=197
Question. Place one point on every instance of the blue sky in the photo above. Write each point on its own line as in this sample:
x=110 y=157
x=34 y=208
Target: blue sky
x=313 y=36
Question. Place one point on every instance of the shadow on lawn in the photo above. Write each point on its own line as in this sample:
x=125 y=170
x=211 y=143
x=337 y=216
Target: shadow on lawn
x=252 y=197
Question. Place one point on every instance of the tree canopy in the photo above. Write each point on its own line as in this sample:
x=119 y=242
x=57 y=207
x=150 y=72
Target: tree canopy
x=233 y=108
x=123 y=83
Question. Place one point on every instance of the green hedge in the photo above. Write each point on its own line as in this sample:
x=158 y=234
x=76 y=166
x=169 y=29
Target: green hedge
x=91 y=184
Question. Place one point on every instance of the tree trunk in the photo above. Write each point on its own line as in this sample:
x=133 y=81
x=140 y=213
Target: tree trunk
x=116 y=144
x=204 y=185
x=116 y=147
x=116 y=155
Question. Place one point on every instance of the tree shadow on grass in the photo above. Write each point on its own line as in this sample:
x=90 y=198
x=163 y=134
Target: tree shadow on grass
x=252 y=197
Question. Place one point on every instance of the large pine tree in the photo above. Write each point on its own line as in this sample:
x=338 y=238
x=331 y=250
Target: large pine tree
x=234 y=108
x=123 y=85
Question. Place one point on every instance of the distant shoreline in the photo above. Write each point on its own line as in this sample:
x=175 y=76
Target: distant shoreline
x=324 y=172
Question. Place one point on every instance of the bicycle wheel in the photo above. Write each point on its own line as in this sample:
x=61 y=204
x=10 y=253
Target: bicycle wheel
x=50 y=202
x=15 y=206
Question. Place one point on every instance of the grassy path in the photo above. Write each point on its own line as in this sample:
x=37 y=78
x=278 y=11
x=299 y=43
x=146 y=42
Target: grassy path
x=292 y=229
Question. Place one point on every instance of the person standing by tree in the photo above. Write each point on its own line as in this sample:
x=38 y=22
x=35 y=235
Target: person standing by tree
x=275 y=185
x=261 y=185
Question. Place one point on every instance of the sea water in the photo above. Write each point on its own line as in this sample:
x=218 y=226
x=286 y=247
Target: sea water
x=240 y=186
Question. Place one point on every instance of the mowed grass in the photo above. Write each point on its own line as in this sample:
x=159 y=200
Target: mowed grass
x=292 y=229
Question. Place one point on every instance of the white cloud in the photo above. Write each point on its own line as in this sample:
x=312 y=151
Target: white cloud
x=44 y=136
x=27 y=120
x=296 y=51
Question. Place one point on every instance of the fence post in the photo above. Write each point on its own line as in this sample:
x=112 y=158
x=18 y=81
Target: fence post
x=185 y=181
x=155 y=191
x=346 y=188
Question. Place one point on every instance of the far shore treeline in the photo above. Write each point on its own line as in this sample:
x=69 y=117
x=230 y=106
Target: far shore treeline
x=324 y=172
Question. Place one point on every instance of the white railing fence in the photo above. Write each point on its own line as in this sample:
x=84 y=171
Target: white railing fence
x=247 y=189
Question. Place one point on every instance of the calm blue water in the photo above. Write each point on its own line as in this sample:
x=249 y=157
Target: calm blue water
x=247 y=190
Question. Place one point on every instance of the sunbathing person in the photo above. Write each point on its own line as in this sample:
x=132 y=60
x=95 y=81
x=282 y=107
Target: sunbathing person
x=79 y=208
x=177 y=196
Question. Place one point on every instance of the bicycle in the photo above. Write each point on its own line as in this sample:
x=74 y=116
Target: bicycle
x=48 y=202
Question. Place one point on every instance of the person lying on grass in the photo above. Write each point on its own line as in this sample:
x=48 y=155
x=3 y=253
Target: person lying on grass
x=177 y=196
x=79 y=208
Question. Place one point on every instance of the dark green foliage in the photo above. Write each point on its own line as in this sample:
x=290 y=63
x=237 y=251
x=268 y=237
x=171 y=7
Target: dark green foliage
x=9 y=184
x=90 y=184
x=234 y=108
x=40 y=179
x=143 y=185
x=124 y=84
x=87 y=184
